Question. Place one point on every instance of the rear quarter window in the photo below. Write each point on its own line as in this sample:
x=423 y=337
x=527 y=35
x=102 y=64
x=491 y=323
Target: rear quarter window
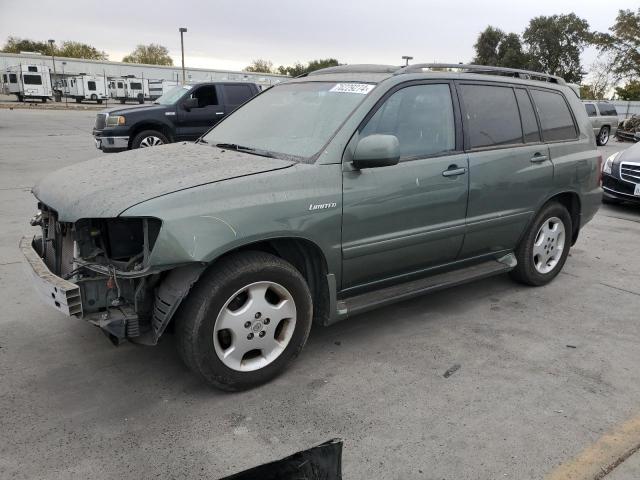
x=591 y=109
x=491 y=115
x=607 y=110
x=555 y=117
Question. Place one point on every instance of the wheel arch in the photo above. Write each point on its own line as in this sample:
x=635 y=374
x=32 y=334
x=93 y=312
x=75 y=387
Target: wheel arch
x=161 y=127
x=571 y=201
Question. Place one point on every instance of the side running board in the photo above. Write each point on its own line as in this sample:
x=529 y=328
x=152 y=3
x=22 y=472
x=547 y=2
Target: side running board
x=377 y=298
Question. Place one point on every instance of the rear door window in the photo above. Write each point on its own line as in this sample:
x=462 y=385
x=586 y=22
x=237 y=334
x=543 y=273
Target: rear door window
x=491 y=115
x=32 y=80
x=591 y=109
x=421 y=117
x=236 y=94
x=528 y=116
x=607 y=110
x=555 y=117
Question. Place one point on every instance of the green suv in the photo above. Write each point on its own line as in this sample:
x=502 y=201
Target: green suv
x=319 y=199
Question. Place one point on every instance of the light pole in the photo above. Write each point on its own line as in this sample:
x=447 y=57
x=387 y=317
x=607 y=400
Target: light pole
x=406 y=59
x=182 y=32
x=53 y=59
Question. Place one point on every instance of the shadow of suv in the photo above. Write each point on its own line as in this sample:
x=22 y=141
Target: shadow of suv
x=321 y=198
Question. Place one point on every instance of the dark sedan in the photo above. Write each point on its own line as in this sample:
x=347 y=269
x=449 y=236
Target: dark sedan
x=621 y=176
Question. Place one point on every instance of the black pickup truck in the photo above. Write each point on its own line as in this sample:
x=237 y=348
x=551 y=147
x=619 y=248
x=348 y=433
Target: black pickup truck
x=183 y=113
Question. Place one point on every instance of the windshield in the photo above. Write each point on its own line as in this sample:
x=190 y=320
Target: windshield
x=292 y=119
x=173 y=95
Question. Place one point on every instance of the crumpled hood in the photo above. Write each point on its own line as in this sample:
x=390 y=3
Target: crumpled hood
x=106 y=186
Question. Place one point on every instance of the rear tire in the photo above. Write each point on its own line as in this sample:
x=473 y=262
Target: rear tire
x=603 y=136
x=545 y=246
x=245 y=320
x=149 y=138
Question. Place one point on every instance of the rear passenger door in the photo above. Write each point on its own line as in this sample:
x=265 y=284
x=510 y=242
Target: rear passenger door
x=510 y=171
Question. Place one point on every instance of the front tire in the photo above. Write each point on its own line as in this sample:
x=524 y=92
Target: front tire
x=545 y=246
x=245 y=321
x=603 y=136
x=149 y=138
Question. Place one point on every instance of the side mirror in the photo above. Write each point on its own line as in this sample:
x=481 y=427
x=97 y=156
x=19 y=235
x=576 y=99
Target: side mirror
x=190 y=103
x=377 y=151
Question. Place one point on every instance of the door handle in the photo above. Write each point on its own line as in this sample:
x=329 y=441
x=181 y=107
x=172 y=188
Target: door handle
x=454 y=171
x=219 y=113
x=539 y=158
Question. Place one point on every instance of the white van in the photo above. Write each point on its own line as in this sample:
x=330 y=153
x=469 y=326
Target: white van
x=128 y=89
x=28 y=82
x=86 y=87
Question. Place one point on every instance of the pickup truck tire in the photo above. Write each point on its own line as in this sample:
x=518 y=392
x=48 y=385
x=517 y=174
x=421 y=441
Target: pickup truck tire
x=603 y=136
x=245 y=320
x=148 y=138
x=543 y=250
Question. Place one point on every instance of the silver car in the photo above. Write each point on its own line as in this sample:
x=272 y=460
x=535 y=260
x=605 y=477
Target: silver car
x=604 y=119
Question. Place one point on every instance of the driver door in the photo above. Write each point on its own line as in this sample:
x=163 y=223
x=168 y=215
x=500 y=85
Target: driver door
x=192 y=123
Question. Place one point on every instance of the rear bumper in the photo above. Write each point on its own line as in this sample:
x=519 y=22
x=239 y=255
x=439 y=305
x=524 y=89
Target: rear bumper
x=56 y=292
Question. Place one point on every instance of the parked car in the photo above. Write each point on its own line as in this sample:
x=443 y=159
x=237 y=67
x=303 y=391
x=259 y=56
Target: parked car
x=183 y=113
x=604 y=119
x=621 y=176
x=319 y=199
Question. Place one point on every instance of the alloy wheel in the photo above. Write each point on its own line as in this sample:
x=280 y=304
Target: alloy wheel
x=150 y=141
x=254 y=326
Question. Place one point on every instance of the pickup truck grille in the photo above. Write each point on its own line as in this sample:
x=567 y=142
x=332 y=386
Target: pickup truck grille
x=57 y=248
x=101 y=120
x=630 y=172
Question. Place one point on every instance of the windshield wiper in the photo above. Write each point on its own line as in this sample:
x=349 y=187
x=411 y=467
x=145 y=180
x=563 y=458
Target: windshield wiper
x=252 y=151
x=201 y=140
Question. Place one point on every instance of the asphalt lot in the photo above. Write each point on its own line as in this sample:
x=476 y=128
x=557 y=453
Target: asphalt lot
x=523 y=401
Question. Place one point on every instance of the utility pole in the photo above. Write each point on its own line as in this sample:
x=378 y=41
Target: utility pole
x=52 y=42
x=182 y=31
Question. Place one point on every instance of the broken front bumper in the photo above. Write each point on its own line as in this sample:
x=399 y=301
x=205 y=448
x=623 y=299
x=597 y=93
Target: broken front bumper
x=53 y=290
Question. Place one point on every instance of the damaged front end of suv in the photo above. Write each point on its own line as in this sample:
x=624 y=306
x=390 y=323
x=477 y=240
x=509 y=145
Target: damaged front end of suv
x=101 y=272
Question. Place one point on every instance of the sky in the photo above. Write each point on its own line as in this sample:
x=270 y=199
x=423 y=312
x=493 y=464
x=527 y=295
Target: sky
x=229 y=34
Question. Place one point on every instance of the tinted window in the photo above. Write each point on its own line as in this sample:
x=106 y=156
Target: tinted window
x=32 y=80
x=421 y=117
x=206 y=96
x=555 y=117
x=13 y=78
x=237 y=94
x=135 y=86
x=32 y=69
x=591 y=109
x=606 y=109
x=91 y=85
x=119 y=84
x=529 y=122
x=491 y=115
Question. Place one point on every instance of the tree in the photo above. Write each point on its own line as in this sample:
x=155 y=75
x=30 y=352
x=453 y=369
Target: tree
x=298 y=68
x=67 y=49
x=260 y=66
x=494 y=47
x=152 y=54
x=555 y=43
x=623 y=43
x=601 y=80
x=80 y=50
x=631 y=91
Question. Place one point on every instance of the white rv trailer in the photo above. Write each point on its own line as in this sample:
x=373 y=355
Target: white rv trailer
x=29 y=82
x=157 y=88
x=129 y=88
x=86 y=87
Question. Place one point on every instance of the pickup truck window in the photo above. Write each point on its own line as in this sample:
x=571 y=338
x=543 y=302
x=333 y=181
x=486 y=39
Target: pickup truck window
x=292 y=119
x=237 y=94
x=206 y=96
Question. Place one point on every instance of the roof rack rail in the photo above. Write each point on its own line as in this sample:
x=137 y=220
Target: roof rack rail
x=357 y=68
x=482 y=69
